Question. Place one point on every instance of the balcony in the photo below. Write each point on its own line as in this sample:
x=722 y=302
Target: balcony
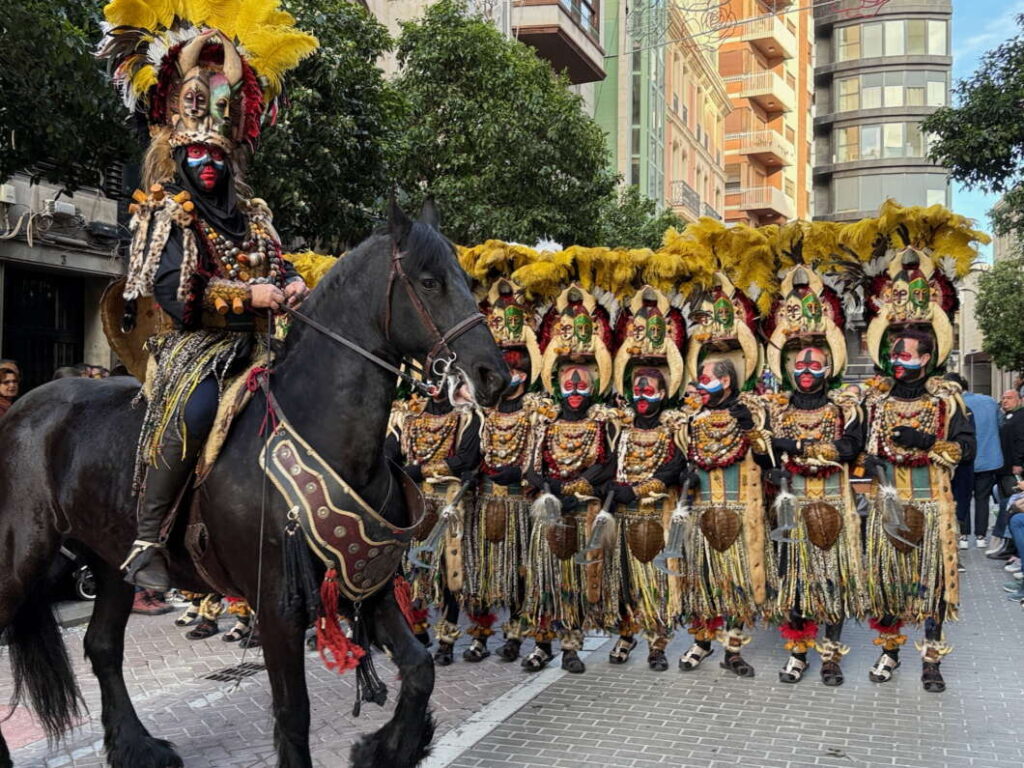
x=763 y=201
x=771 y=36
x=685 y=196
x=768 y=90
x=710 y=212
x=565 y=32
x=767 y=147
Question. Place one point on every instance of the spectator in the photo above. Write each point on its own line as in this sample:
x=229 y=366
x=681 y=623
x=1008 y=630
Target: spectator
x=10 y=383
x=1016 y=526
x=67 y=372
x=1011 y=438
x=988 y=465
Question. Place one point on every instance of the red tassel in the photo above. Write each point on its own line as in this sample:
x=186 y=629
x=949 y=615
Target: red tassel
x=403 y=596
x=808 y=632
x=344 y=654
x=882 y=629
x=711 y=625
x=484 y=619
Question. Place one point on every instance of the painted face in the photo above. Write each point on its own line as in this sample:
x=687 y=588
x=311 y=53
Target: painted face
x=648 y=394
x=810 y=369
x=908 y=364
x=205 y=164
x=576 y=385
x=723 y=312
x=711 y=388
x=656 y=330
x=514 y=320
x=920 y=293
x=811 y=308
x=584 y=328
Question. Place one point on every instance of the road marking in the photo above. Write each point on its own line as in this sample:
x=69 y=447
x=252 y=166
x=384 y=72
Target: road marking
x=462 y=737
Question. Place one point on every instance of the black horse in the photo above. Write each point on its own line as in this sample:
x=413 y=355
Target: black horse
x=68 y=450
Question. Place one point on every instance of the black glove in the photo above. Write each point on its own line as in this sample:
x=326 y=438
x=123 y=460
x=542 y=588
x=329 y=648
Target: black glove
x=784 y=445
x=741 y=413
x=414 y=471
x=569 y=503
x=909 y=437
x=510 y=475
x=872 y=464
x=623 y=494
x=538 y=481
x=778 y=476
x=691 y=477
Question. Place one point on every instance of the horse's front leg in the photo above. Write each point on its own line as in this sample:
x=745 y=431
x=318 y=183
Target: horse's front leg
x=128 y=743
x=405 y=739
x=284 y=655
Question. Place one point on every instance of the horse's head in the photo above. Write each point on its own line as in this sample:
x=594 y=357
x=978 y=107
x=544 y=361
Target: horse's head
x=432 y=309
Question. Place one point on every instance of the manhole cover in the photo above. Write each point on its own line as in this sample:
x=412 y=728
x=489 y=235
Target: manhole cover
x=239 y=672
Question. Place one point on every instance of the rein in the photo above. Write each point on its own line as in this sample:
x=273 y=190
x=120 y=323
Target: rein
x=440 y=358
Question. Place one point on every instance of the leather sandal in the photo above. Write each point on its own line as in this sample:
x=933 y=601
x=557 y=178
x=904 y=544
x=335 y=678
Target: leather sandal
x=657 y=661
x=794 y=670
x=443 y=655
x=188 y=617
x=204 y=629
x=572 y=663
x=537 y=660
x=931 y=678
x=477 y=651
x=619 y=653
x=240 y=631
x=693 y=657
x=883 y=669
x=736 y=664
x=510 y=650
x=831 y=673
x=252 y=640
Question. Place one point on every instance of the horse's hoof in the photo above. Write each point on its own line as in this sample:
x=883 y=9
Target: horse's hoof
x=146 y=752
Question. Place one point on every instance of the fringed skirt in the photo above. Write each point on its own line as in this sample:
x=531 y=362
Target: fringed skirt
x=820 y=572
x=180 y=361
x=653 y=600
x=428 y=584
x=496 y=544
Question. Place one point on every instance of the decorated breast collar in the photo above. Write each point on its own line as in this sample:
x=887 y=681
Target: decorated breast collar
x=343 y=530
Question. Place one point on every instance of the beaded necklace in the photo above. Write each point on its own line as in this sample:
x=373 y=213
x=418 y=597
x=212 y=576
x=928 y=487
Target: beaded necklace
x=430 y=437
x=814 y=425
x=716 y=440
x=256 y=260
x=642 y=452
x=505 y=437
x=926 y=414
x=572 y=446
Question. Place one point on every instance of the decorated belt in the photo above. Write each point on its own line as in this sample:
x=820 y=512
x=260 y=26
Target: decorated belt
x=344 y=531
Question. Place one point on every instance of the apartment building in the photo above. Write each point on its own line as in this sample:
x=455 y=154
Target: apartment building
x=766 y=59
x=696 y=106
x=877 y=77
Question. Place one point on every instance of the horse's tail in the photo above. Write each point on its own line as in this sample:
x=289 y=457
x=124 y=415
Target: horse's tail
x=42 y=669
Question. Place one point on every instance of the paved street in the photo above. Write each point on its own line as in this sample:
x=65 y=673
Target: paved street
x=625 y=717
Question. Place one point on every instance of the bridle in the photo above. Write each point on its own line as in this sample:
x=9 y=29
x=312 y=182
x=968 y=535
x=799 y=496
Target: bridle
x=438 y=367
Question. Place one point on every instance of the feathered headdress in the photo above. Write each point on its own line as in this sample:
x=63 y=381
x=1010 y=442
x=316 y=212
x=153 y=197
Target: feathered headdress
x=202 y=71
x=650 y=332
x=722 y=321
x=510 y=319
x=577 y=329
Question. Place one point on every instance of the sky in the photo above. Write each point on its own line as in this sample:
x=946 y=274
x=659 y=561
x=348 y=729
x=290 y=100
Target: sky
x=979 y=26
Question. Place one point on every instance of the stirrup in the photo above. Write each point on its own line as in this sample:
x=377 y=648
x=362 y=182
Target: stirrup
x=693 y=657
x=883 y=669
x=794 y=670
x=619 y=653
x=477 y=651
x=537 y=660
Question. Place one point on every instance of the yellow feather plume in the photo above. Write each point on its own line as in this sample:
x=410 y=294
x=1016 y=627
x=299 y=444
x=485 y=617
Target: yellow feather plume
x=311 y=266
x=544 y=278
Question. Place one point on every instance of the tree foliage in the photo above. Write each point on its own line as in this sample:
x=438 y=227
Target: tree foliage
x=632 y=220
x=495 y=136
x=58 y=117
x=981 y=140
x=1000 y=314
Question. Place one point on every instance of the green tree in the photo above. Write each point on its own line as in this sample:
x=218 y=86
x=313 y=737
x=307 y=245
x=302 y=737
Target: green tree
x=323 y=168
x=1000 y=314
x=633 y=221
x=59 y=119
x=495 y=136
x=981 y=140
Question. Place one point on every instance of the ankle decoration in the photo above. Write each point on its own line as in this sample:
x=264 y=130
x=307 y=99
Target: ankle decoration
x=706 y=630
x=657 y=641
x=482 y=624
x=513 y=630
x=628 y=627
x=543 y=635
x=889 y=637
x=799 y=640
x=932 y=651
x=572 y=640
x=447 y=632
x=733 y=640
x=832 y=650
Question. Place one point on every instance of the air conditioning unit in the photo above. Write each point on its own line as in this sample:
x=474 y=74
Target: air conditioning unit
x=7 y=194
x=59 y=208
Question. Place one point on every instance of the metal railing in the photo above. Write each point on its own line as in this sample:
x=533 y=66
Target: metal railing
x=770 y=27
x=686 y=196
x=761 y=198
x=765 y=84
x=764 y=142
x=583 y=13
x=709 y=211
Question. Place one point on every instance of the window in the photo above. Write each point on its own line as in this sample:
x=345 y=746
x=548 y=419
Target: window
x=916 y=145
x=871 y=142
x=848 y=144
x=871 y=41
x=894 y=38
x=871 y=92
x=847 y=197
x=848 y=94
x=937 y=38
x=849 y=43
x=935 y=196
x=915 y=96
x=892 y=134
x=894 y=95
x=917 y=37
x=936 y=93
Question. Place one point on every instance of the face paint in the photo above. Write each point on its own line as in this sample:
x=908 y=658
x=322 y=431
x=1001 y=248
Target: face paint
x=810 y=370
x=907 y=364
x=206 y=163
x=575 y=388
x=647 y=395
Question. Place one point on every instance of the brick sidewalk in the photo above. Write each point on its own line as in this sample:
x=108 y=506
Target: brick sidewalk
x=627 y=717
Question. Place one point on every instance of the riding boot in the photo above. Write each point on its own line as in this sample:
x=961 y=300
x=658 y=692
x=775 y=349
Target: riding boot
x=146 y=564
